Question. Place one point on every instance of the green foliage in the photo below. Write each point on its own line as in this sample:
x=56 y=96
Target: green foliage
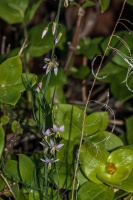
x=27 y=169
x=38 y=46
x=13 y=11
x=94 y=192
x=104 y=4
x=12 y=80
x=4 y=120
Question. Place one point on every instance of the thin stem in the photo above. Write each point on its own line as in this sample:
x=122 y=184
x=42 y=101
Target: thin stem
x=8 y=186
x=88 y=99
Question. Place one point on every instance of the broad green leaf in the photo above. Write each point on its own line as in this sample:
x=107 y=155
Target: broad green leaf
x=112 y=142
x=12 y=81
x=11 y=169
x=13 y=11
x=2 y=139
x=110 y=70
x=118 y=167
x=27 y=169
x=93 y=161
x=119 y=88
x=106 y=140
x=37 y=46
x=71 y=117
x=104 y=4
x=81 y=177
x=95 y=122
x=4 y=120
x=127 y=184
x=85 y=46
x=129 y=127
x=88 y=4
x=93 y=191
x=10 y=74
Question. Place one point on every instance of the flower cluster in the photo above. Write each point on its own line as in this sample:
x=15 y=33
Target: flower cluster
x=49 y=144
x=54 y=29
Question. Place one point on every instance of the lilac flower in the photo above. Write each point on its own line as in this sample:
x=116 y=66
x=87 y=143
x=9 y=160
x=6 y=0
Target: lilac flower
x=54 y=147
x=49 y=161
x=44 y=32
x=46 y=133
x=51 y=64
x=58 y=130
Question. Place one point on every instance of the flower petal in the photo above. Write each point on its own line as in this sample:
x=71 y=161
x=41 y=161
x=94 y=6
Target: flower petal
x=55 y=127
x=46 y=59
x=45 y=66
x=51 y=143
x=55 y=70
x=59 y=146
x=61 y=129
x=42 y=144
x=47 y=132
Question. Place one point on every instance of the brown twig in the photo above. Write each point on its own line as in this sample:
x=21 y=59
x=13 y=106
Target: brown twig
x=89 y=96
x=23 y=46
x=8 y=185
x=75 y=39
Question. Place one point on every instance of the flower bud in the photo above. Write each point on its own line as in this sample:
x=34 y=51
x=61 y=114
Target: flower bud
x=58 y=38
x=66 y=3
x=44 y=32
x=54 y=28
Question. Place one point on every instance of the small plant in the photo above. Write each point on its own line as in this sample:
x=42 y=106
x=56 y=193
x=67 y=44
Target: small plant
x=54 y=145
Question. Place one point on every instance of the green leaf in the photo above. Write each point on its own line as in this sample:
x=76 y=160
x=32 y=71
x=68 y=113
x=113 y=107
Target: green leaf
x=130 y=2
x=88 y=4
x=129 y=127
x=31 y=10
x=10 y=75
x=104 y=4
x=16 y=128
x=27 y=169
x=11 y=169
x=121 y=162
x=95 y=122
x=106 y=140
x=13 y=11
x=22 y=196
x=12 y=81
x=117 y=83
x=4 y=120
x=2 y=139
x=93 y=161
x=127 y=184
x=38 y=46
x=93 y=191
x=71 y=117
